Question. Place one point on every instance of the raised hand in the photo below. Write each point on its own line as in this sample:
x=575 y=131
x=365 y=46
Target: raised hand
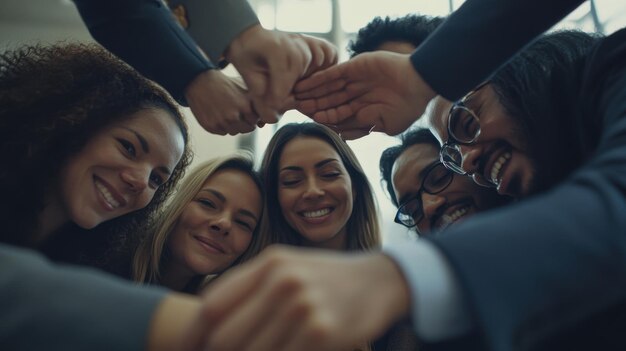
x=271 y=62
x=377 y=91
x=221 y=104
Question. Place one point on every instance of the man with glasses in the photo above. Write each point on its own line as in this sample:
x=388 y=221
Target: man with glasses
x=429 y=196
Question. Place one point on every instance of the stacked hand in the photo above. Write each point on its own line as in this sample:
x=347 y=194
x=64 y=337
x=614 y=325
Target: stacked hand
x=270 y=63
x=295 y=299
x=377 y=91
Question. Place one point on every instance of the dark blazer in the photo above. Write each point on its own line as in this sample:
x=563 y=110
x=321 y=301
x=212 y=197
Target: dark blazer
x=146 y=35
x=548 y=273
x=50 y=307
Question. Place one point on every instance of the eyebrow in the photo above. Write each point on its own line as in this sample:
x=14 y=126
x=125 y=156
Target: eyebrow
x=145 y=146
x=420 y=176
x=317 y=165
x=222 y=198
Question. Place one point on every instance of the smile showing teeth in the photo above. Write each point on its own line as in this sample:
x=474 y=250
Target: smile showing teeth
x=315 y=214
x=107 y=195
x=497 y=167
x=454 y=216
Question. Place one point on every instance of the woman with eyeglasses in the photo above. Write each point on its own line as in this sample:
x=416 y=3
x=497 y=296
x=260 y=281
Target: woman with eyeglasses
x=429 y=196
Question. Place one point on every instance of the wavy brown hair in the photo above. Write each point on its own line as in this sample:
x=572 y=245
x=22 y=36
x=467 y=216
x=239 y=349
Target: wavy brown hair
x=53 y=99
x=362 y=227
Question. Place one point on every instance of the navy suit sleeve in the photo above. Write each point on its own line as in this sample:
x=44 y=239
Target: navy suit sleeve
x=49 y=307
x=553 y=262
x=145 y=34
x=481 y=36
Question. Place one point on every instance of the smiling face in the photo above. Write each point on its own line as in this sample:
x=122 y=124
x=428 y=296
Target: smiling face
x=315 y=192
x=500 y=155
x=461 y=198
x=119 y=169
x=216 y=227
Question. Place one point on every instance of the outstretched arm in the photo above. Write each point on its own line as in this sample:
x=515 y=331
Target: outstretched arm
x=470 y=45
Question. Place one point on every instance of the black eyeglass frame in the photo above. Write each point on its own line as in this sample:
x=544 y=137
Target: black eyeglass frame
x=409 y=221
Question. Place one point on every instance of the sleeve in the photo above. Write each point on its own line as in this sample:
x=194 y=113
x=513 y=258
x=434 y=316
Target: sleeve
x=65 y=308
x=438 y=310
x=548 y=265
x=145 y=34
x=480 y=37
x=213 y=24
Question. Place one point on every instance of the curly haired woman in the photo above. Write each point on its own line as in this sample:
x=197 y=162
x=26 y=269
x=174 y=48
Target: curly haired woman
x=90 y=150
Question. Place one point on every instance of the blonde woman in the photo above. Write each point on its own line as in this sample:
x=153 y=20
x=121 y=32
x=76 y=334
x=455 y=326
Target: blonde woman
x=209 y=225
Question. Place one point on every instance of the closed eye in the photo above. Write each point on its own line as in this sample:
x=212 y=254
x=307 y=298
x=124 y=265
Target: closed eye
x=289 y=182
x=331 y=175
x=249 y=227
x=207 y=203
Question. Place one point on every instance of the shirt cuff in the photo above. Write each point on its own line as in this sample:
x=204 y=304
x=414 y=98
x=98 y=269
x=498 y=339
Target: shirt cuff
x=437 y=306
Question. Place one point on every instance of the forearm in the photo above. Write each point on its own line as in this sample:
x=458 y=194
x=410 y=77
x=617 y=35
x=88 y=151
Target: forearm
x=214 y=24
x=480 y=37
x=172 y=322
x=68 y=308
x=145 y=35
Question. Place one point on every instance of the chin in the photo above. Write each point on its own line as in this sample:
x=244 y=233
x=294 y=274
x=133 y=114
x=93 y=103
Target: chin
x=85 y=223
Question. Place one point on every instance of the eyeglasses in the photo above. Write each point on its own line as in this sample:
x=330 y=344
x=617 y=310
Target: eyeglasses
x=436 y=179
x=463 y=129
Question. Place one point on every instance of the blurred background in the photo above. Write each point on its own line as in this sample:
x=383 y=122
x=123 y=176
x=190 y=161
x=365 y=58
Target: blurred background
x=50 y=21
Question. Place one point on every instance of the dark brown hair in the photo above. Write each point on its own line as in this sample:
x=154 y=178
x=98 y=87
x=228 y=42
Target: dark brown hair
x=53 y=99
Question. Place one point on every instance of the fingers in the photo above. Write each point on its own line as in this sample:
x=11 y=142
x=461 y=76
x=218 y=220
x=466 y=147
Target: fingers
x=266 y=113
x=284 y=73
x=258 y=314
x=306 y=88
x=220 y=104
x=323 y=54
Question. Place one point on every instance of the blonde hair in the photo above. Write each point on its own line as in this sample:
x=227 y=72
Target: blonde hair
x=151 y=253
x=362 y=227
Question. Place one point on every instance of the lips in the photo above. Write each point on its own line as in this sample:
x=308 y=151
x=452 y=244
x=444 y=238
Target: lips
x=210 y=244
x=494 y=163
x=316 y=213
x=109 y=194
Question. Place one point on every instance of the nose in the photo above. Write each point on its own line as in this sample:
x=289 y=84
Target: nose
x=221 y=224
x=470 y=157
x=431 y=204
x=313 y=190
x=136 y=178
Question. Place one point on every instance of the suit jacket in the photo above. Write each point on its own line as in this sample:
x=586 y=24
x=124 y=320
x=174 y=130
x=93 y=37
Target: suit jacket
x=146 y=35
x=549 y=272
x=49 y=307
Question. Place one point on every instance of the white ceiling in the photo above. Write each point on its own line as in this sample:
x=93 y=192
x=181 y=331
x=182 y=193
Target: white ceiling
x=24 y=21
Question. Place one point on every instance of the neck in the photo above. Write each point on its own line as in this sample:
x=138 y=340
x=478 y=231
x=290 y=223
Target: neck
x=50 y=219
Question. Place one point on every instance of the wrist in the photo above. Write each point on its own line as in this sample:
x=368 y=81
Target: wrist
x=240 y=42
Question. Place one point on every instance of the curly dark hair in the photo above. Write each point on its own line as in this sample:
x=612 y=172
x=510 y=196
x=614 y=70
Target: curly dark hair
x=412 y=28
x=409 y=138
x=53 y=99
